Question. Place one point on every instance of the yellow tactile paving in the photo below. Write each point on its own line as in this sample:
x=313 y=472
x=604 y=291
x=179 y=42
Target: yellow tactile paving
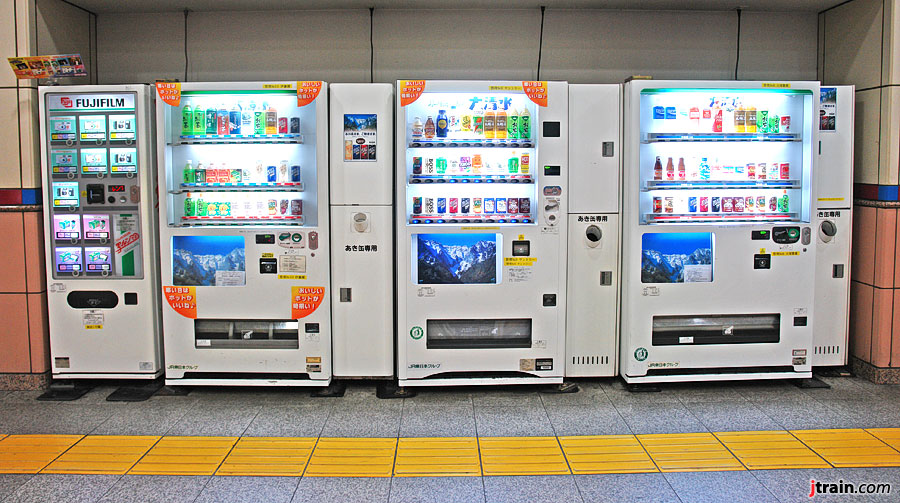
x=106 y=454
x=261 y=456
x=689 y=452
x=352 y=457
x=606 y=454
x=31 y=453
x=890 y=436
x=849 y=447
x=437 y=457
x=770 y=450
x=522 y=456
x=185 y=456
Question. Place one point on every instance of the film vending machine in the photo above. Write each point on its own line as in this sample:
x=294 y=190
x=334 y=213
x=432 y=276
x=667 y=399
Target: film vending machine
x=96 y=160
x=481 y=239
x=362 y=253
x=592 y=302
x=244 y=238
x=719 y=256
x=832 y=221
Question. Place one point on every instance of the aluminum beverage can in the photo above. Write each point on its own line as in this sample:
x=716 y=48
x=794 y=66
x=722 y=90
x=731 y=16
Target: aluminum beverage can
x=272 y=174
x=429 y=166
x=525 y=205
x=465 y=164
x=716 y=204
x=295 y=125
x=285 y=206
x=464 y=205
x=751 y=171
x=525 y=164
x=429 y=206
x=442 y=205
x=237 y=175
x=356 y=151
x=454 y=205
x=785 y=171
x=363 y=151
x=774 y=123
x=282 y=125
x=704 y=203
x=785 y=123
x=417 y=165
x=727 y=204
x=212 y=209
x=692 y=204
x=488 y=204
x=773 y=204
x=738 y=204
x=200 y=175
x=417 y=205
x=761 y=203
x=761 y=171
x=272 y=206
x=762 y=121
x=296 y=207
x=749 y=203
x=190 y=207
x=670 y=205
x=786 y=203
x=657 y=204
x=501 y=205
x=224 y=209
x=201 y=208
x=512 y=205
x=441 y=165
x=296 y=174
x=513 y=165
x=476 y=205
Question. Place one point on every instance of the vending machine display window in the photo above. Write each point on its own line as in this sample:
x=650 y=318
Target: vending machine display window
x=677 y=257
x=208 y=261
x=456 y=259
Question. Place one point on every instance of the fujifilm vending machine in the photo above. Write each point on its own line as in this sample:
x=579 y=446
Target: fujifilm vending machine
x=595 y=164
x=481 y=240
x=102 y=276
x=832 y=221
x=362 y=226
x=719 y=257
x=244 y=237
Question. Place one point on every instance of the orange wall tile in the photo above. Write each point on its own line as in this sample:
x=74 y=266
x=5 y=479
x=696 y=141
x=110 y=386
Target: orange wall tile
x=885 y=243
x=38 y=332
x=863 y=259
x=12 y=253
x=35 y=271
x=15 y=356
x=861 y=298
x=882 y=324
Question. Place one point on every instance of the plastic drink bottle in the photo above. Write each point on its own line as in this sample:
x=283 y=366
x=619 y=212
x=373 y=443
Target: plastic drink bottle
x=189 y=175
x=681 y=169
x=200 y=174
x=211 y=122
x=512 y=125
x=490 y=118
x=442 y=124
x=199 y=122
x=657 y=169
x=259 y=120
x=478 y=123
x=670 y=170
x=717 y=125
x=247 y=119
x=222 y=120
x=187 y=121
x=500 y=125
x=418 y=129
x=525 y=124
x=429 y=128
x=751 y=120
x=271 y=120
x=234 y=120
x=740 y=119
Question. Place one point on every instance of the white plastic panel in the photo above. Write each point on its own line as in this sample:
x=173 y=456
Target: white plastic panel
x=595 y=147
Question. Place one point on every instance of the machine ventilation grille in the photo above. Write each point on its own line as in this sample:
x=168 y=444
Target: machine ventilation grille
x=590 y=360
x=827 y=350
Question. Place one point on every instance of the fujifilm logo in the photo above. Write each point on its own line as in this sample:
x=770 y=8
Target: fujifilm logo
x=100 y=103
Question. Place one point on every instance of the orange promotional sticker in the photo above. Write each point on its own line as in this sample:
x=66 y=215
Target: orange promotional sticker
x=305 y=300
x=169 y=92
x=183 y=300
x=410 y=90
x=536 y=91
x=308 y=91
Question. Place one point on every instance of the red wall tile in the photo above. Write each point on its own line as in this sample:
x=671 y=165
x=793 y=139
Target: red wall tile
x=15 y=355
x=12 y=253
x=863 y=259
x=861 y=299
x=882 y=325
x=35 y=270
x=885 y=243
x=38 y=333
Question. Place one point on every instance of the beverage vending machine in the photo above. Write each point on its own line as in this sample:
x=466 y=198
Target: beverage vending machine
x=481 y=240
x=244 y=236
x=97 y=173
x=719 y=260
x=832 y=222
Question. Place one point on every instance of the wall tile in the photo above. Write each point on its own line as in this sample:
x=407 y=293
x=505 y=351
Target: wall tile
x=882 y=324
x=10 y=175
x=7 y=40
x=866 y=136
x=862 y=267
x=15 y=356
x=853 y=44
x=38 y=332
x=861 y=298
x=29 y=134
x=895 y=333
x=889 y=144
x=35 y=268
x=885 y=244
x=12 y=253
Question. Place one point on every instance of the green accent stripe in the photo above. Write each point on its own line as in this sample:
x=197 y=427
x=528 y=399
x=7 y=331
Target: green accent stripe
x=128 y=264
x=768 y=90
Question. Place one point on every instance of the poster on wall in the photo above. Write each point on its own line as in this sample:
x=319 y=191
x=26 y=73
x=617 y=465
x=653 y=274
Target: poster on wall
x=208 y=261
x=359 y=137
x=48 y=67
x=677 y=257
x=828 y=109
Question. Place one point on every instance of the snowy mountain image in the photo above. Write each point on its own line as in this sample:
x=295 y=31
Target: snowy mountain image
x=196 y=259
x=457 y=258
x=664 y=256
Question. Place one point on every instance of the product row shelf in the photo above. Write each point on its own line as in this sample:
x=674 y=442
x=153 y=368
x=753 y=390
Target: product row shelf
x=652 y=218
x=206 y=139
x=92 y=142
x=720 y=184
x=425 y=179
x=239 y=187
x=232 y=220
x=471 y=219
x=719 y=137
x=468 y=143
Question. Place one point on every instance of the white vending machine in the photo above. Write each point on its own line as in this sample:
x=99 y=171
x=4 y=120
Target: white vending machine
x=102 y=283
x=719 y=257
x=832 y=221
x=244 y=234
x=481 y=241
x=362 y=229
x=595 y=164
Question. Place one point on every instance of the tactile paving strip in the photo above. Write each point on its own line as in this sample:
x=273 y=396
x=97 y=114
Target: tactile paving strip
x=31 y=453
x=522 y=456
x=689 y=452
x=890 y=436
x=102 y=454
x=352 y=457
x=606 y=454
x=185 y=456
x=770 y=450
x=261 y=456
x=849 y=448
x=437 y=457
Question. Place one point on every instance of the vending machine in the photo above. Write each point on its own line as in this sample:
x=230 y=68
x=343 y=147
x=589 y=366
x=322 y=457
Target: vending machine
x=102 y=262
x=244 y=235
x=481 y=241
x=719 y=260
x=595 y=164
x=832 y=223
x=362 y=227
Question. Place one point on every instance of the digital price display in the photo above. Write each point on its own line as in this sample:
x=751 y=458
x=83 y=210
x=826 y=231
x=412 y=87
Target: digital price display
x=115 y=188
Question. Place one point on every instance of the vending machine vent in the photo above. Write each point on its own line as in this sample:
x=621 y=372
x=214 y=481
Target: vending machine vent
x=716 y=329
x=590 y=360
x=246 y=334
x=827 y=350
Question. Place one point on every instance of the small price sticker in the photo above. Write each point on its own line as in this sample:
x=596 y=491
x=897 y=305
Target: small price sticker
x=278 y=86
x=305 y=300
x=410 y=91
x=519 y=261
x=777 y=85
x=536 y=91
x=183 y=299
x=308 y=91
x=169 y=92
